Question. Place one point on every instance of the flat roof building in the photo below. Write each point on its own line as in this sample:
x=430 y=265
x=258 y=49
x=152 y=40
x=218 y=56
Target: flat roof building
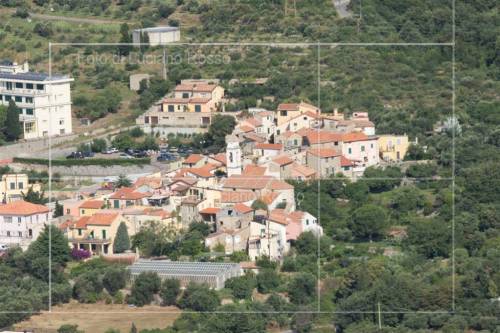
x=156 y=35
x=44 y=100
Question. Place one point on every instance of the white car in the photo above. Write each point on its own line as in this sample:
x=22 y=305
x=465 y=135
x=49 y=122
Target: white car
x=110 y=151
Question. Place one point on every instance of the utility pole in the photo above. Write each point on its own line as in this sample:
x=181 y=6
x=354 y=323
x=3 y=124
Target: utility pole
x=379 y=317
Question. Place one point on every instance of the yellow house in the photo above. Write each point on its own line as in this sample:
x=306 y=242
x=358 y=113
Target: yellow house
x=393 y=148
x=90 y=207
x=287 y=111
x=13 y=185
x=96 y=233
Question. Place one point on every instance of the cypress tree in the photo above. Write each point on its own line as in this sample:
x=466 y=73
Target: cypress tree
x=122 y=241
x=12 y=126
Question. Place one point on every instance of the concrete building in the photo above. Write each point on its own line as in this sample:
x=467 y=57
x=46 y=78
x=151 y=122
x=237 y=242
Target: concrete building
x=21 y=222
x=156 y=35
x=393 y=148
x=44 y=101
x=12 y=187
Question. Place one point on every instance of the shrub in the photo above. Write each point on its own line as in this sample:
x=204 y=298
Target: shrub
x=199 y=298
x=267 y=280
x=80 y=254
x=170 y=289
x=114 y=279
x=145 y=286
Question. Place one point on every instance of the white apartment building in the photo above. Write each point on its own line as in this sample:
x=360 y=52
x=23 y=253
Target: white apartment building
x=44 y=101
x=21 y=222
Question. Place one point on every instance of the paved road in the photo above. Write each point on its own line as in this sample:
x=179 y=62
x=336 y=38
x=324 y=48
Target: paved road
x=341 y=7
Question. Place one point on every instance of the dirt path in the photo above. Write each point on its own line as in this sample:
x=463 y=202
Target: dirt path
x=100 y=317
x=341 y=7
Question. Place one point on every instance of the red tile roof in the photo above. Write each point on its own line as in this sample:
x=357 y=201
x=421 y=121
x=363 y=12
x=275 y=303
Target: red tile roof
x=92 y=204
x=317 y=137
x=345 y=162
x=253 y=170
x=128 y=193
x=282 y=160
x=237 y=196
x=193 y=158
x=242 y=208
x=103 y=219
x=288 y=107
x=210 y=210
x=354 y=136
x=221 y=157
x=22 y=208
x=269 y=146
x=324 y=152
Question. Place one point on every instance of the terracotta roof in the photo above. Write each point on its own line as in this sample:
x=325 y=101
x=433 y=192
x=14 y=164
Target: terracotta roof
x=316 y=137
x=265 y=113
x=22 y=208
x=198 y=87
x=193 y=158
x=324 y=152
x=199 y=100
x=92 y=204
x=221 y=157
x=253 y=122
x=210 y=210
x=269 y=198
x=128 y=193
x=104 y=219
x=237 y=196
x=242 y=208
x=279 y=216
x=252 y=136
x=247 y=182
x=153 y=182
x=270 y=146
x=253 y=170
x=246 y=128
x=173 y=100
x=354 y=136
x=203 y=171
x=282 y=160
x=157 y=212
x=302 y=170
x=288 y=107
x=344 y=161
x=279 y=185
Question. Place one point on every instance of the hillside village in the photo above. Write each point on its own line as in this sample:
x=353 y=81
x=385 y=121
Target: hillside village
x=241 y=193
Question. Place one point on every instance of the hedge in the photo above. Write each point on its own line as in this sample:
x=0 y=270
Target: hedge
x=78 y=162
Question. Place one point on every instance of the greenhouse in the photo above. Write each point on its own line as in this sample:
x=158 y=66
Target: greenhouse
x=213 y=274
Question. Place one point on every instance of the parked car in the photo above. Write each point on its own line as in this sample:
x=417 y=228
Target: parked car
x=75 y=155
x=124 y=155
x=165 y=157
x=139 y=154
x=110 y=151
x=88 y=153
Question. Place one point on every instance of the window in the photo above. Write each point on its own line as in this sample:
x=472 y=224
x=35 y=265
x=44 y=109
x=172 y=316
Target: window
x=8 y=98
x=30 y=233
x=349 y=151
x=185 y=95
x=18 y=99
x=7 y=219
x=197 y=108
x=8 y=233
x=362 y=148
x=103 y=234
x=12 y=186
x=29 y=127
x=18 y=219
x=29 y=85
x=68 y=211
x=8 y=85
x=116 y=204
x=83 y=211
x=371 y=146
x=170 y=108
x=29 y=112
x=61 y=121
x=283 y=113
x=20 y=185
x=39 y=87
x=79 y=232
x=19 y=85
x=20 y=234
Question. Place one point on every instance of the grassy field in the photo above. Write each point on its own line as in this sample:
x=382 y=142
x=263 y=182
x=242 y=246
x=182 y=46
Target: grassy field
x=100 y=317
